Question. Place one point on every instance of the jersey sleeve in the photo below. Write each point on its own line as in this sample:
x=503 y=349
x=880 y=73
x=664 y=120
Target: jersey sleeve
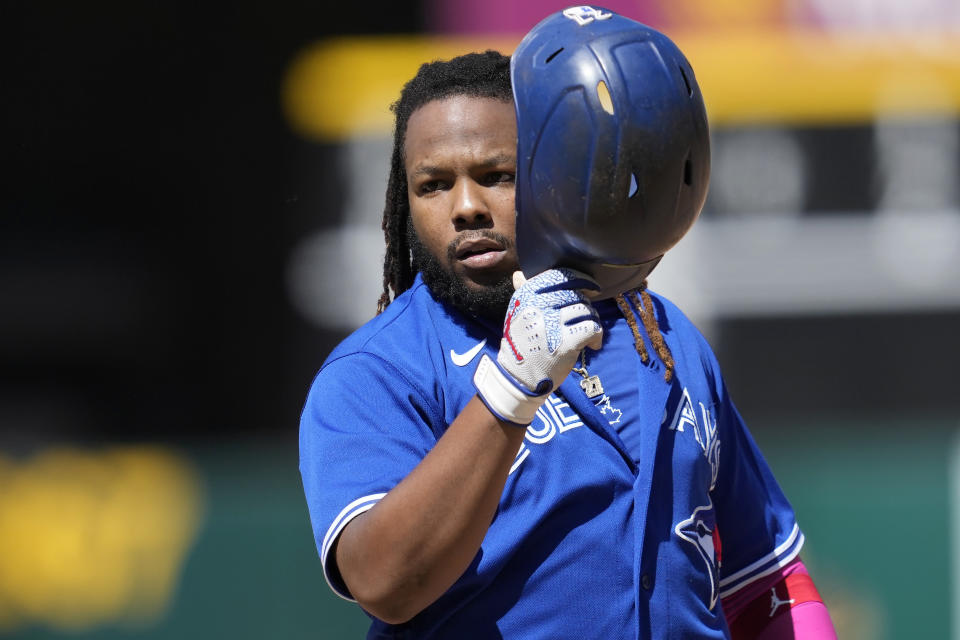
x=364 y=427
x=757 y=527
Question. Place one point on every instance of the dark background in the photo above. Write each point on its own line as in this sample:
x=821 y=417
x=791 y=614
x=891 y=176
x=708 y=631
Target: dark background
x=147 y=211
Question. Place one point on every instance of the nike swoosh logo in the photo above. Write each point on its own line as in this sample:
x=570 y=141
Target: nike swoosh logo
x=463 y=359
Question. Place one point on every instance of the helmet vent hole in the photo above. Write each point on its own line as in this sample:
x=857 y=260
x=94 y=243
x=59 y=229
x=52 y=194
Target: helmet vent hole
x=604 y=94
x=633 y=186
x=552 y=55
x=686 y=81
x=687 y=172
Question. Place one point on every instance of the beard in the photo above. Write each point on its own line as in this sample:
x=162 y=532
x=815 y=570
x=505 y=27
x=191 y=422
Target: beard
x=489 y=301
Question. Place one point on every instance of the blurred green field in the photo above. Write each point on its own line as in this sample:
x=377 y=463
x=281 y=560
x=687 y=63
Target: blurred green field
x=872 y=498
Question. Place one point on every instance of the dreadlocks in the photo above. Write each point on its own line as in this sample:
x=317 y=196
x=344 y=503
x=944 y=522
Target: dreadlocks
x=645 y=311
x=479 y=75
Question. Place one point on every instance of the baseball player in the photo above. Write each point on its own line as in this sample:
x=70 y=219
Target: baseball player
x=501 y=455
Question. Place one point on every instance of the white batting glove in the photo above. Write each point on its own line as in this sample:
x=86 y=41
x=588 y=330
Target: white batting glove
x=549 y=322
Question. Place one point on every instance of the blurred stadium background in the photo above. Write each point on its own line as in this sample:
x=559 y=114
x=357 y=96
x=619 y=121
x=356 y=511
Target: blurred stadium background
x=190 y=224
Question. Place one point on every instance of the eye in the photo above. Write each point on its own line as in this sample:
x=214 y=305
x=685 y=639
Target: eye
x=432 y=185
x=496 y=177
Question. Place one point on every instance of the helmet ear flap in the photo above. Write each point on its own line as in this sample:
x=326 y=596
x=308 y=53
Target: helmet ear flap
x=613 y=146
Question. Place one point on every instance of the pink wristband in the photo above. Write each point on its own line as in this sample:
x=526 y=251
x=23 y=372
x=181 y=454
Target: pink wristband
x=807 y=621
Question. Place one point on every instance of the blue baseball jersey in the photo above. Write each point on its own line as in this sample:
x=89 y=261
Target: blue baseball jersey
x=626 y=515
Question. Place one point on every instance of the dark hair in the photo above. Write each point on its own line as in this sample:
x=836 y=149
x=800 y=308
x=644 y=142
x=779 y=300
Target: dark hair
x=480 y=75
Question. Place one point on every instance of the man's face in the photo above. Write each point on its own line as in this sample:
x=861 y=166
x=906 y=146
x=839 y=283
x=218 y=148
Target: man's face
x=460 y=159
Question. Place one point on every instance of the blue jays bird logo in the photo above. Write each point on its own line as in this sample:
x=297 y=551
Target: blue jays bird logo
x=700 y=529
x=584 y=15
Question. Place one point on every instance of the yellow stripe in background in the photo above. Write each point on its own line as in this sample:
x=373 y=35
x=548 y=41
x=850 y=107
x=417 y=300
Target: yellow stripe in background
x=344 y=87
x=341 y=88
x=815 y=77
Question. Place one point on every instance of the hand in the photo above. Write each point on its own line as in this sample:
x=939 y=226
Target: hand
x=549 y=322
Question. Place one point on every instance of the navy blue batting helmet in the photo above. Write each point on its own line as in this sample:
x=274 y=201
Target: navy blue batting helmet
x=613 y=150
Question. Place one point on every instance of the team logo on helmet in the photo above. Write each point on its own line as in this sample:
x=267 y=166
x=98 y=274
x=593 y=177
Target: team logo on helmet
x=584 y=15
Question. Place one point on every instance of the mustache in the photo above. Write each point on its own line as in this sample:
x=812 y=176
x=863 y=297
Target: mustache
x=472 y=234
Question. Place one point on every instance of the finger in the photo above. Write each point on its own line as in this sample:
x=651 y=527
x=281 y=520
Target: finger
x=518 y=279
x=580 y=280
x=597 y=341
x=562 y=280
x=576 y=284
x=578 y=312
x=589 y=334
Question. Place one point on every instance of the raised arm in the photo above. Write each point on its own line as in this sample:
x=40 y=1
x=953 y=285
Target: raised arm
x=407 y=550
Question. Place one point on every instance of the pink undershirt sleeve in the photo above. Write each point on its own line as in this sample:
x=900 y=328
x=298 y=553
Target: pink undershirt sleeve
x=757 y=607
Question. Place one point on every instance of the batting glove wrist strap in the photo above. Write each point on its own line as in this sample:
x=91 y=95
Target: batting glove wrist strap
x=503 y=397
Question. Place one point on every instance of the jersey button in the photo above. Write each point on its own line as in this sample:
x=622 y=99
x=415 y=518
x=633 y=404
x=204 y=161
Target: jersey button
x=646 y=581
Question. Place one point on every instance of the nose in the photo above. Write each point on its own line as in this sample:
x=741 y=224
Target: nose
x=469 y=208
